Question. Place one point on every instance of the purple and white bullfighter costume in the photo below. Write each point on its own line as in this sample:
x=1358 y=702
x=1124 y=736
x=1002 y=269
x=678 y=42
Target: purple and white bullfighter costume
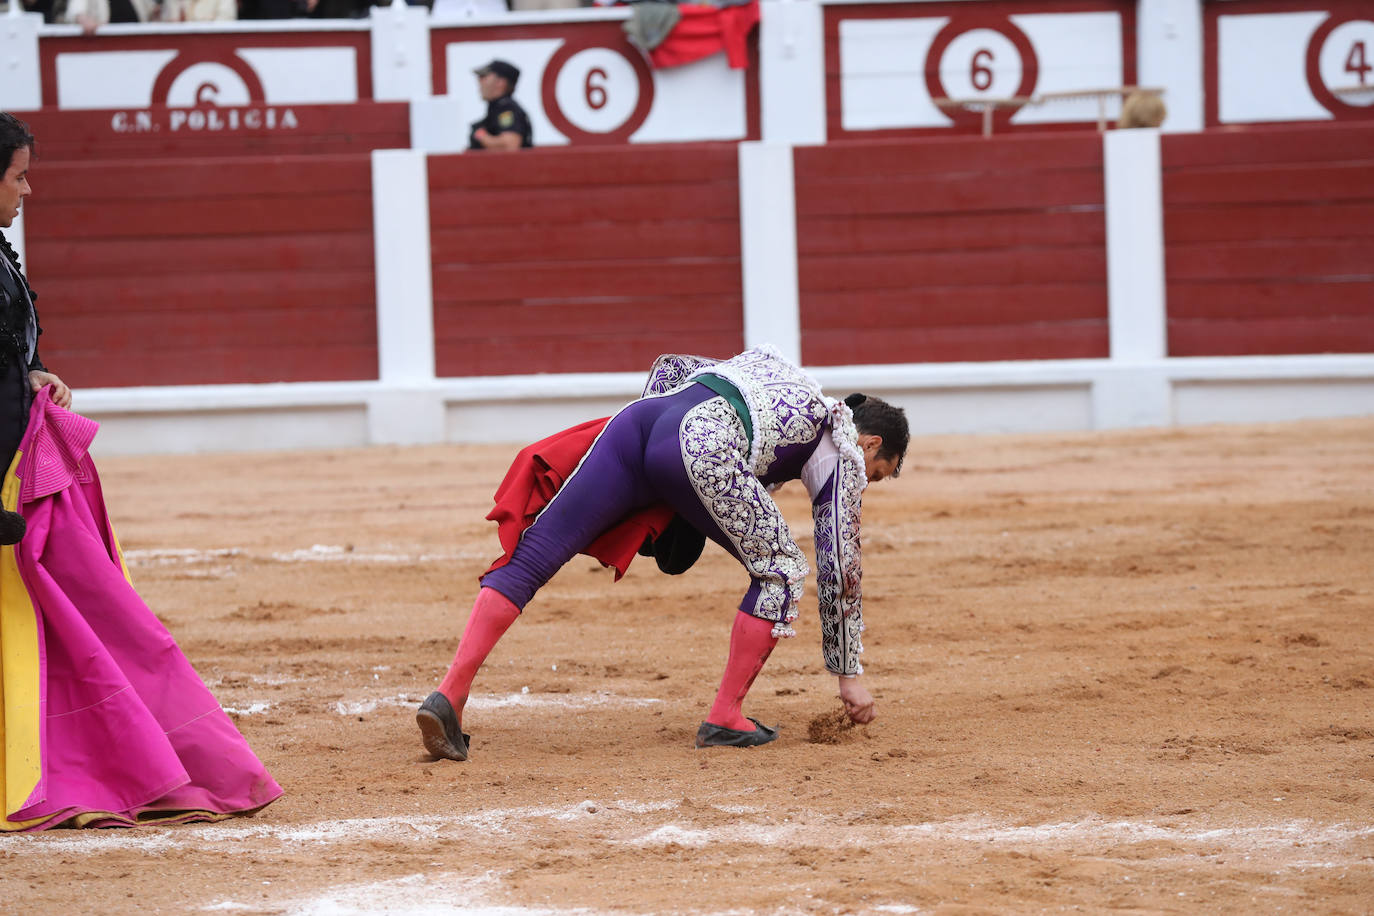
x=714 y=462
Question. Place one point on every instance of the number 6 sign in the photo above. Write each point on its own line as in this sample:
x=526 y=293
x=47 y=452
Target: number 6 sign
x=596 y=94
x=980 y=57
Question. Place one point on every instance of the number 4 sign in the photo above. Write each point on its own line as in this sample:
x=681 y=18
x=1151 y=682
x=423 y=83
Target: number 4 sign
x=1340 y=66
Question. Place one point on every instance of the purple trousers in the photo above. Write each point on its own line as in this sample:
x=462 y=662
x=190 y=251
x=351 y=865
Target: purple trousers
x=641 y=458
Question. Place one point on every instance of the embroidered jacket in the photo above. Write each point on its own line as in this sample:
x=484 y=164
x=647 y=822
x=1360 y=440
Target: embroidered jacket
x=19 y=329
x=798 y=433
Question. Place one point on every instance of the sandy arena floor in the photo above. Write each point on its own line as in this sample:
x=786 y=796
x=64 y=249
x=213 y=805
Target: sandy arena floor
x=1127 y=672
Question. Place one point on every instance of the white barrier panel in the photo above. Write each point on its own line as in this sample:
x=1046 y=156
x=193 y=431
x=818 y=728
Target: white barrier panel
x=1169 y=49
x=1272 y=86
x=20 y=85
x=900 y=68
x=768 y=247
x=590 y=86
x=941 y=398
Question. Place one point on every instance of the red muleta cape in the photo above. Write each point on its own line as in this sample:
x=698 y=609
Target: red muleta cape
x=535 y=476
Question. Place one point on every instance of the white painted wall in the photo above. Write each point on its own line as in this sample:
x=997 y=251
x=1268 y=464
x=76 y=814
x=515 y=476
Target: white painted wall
x=406 y=408
x=1136 y=393
x=1169 y=56
x=768 y=247
x=1078 y=50
x=1271 y=86
x=964 y=398
x=20 y=87
x=1135 y=244
x=792 y=86
x=400 y=52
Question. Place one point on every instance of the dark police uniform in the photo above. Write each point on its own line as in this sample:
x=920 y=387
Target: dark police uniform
x=503 y=115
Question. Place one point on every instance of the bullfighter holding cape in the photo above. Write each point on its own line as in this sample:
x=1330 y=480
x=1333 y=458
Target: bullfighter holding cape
x=103 y=721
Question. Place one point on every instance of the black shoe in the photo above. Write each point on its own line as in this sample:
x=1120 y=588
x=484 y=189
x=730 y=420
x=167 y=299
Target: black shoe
x=12 y=527
x=439 y=728
x=717 y=736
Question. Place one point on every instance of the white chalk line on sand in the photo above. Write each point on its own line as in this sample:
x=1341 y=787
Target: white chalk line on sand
x=445 y=894
x=524 y=699
x=440 y=894
x=1291 y=843
x=316 y=553
x=1256 y=838
x=247 y=836
x=1284 y=845
x=271 y=680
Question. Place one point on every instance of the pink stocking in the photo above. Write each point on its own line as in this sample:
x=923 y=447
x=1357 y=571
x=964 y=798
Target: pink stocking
x=492 y=614
x=751 y=641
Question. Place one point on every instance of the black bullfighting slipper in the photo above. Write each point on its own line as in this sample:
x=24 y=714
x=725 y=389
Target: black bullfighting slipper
x=439 y=728
x=718 y=736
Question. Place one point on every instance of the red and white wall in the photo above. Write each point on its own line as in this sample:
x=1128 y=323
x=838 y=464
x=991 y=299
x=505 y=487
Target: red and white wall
x=819 y=69
x=582 y=82
x=231 y=256
x=1054 y=281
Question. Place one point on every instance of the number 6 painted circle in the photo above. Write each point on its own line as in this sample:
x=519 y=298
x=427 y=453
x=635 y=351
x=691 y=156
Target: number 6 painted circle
x=214 y=80
x=980 y=57
x=981 y=63
x=597 y=94
x=1341 y=56
x=207 y=83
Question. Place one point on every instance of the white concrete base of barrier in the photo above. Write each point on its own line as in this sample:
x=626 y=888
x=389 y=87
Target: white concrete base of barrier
x=1060 y=396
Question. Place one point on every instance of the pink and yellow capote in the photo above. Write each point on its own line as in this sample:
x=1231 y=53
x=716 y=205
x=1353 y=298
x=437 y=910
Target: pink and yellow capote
x=103 y=721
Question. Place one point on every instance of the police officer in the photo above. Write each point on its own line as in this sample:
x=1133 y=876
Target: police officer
x=506 y=125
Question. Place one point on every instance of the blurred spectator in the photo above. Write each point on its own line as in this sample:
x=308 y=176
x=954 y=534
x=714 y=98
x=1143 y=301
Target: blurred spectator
x=337 y=9
x=270 y=9
x=92 y=14
x=314 y=9
x=199 y=10
x=506 y=125
x=1142 y=109
x=34 y=6
x=463 y=9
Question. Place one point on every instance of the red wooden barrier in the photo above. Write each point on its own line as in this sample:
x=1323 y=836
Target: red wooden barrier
x=204 y=271
x=1268 y=235
x=950 y=250
x=576 y=260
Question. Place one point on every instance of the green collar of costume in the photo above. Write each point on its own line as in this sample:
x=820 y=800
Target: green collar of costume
x=727 y=390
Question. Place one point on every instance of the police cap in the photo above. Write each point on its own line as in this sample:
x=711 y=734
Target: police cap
x=507 y=71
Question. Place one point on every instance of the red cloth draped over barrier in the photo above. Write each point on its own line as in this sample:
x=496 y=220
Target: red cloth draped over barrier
x=704 y=30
